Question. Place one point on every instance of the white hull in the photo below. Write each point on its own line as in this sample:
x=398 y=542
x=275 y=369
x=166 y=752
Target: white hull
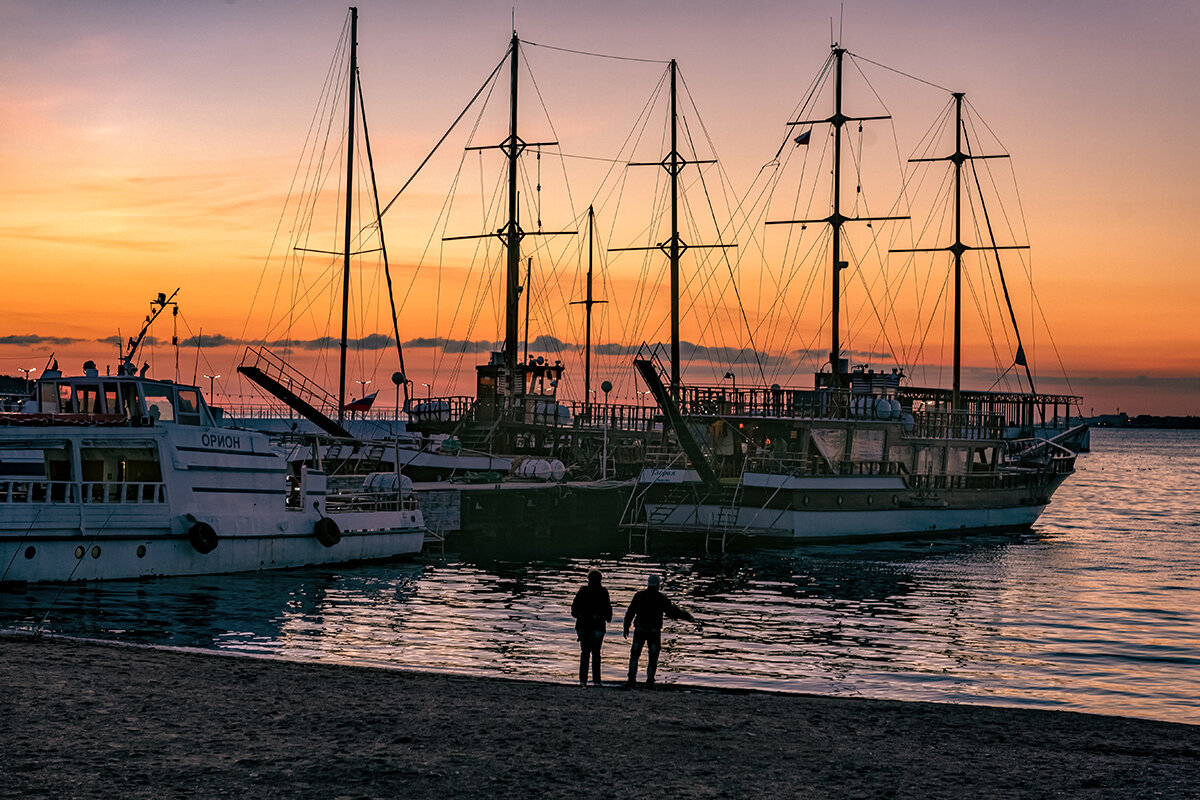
x=116 y=556
x=89 y=501
x=840 y=525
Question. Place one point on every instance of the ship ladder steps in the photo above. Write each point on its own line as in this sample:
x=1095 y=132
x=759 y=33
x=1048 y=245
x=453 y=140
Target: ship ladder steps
x=633 y=520
x=721 y=529
x=292 y=387
x=434 y=540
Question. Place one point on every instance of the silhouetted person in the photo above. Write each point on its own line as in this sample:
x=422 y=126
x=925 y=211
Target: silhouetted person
x=646 y=612
x=592 y=610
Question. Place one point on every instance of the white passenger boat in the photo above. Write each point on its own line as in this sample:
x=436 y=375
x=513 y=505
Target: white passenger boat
x=126 y=477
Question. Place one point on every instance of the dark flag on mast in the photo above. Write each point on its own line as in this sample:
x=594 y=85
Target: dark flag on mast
x=803 y=137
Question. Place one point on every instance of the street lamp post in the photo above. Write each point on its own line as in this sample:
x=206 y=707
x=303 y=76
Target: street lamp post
x=605 y=387
x=363 y=391
x=428 y=390
x=27 y=371
x=211 y=392
x=398 y=379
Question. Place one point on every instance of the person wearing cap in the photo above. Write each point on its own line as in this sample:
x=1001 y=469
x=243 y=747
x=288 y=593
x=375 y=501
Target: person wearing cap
x=592 y=610
x=646 y=612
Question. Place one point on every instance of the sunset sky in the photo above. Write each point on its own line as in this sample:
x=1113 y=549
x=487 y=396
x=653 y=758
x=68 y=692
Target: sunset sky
x=146 y=146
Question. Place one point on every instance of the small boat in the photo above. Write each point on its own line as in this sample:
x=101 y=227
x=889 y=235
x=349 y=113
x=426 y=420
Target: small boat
x=125 y=476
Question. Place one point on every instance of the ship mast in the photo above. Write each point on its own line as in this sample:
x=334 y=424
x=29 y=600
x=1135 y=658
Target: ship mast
x=587 y=304
x=674 y=247
x=512 y=147
x=349 y=220
x=958 y=158
x=836 y=218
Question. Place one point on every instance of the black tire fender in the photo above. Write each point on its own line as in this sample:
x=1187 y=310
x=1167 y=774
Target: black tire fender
x=327 y=532
x=202 y=537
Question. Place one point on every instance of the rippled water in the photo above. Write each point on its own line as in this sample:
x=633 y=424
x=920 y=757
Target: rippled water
x=1097 y=609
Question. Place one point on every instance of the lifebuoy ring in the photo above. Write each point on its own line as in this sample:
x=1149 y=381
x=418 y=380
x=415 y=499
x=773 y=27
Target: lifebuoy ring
x=202 y=537
x=327 y=532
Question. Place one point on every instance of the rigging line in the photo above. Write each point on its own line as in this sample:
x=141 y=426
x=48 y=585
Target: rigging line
x=200 y=345
x=449 y=130
x=811 y=97
x=382 y=246
x=1000 y=269
x=308 y=137
x=866 y=301
x=723 y=255
x=550 y=121
x=442 y=222
x=24 y=536
x=528 y=43
x=1002 y=374
x=857 y=57
x=78 y=562
x=577 y=157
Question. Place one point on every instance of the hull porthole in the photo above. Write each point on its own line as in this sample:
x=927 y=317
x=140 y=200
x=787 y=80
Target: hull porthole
x=202 y=537
x=327 y=532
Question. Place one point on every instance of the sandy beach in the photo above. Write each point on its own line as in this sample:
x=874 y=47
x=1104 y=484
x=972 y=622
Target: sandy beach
x=82 y=719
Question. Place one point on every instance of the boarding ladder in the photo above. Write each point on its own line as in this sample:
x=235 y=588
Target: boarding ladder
x=291 y=386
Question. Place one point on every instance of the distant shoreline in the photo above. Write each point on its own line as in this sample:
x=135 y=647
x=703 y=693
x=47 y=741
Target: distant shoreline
x=86 y=719
x=1143 y=422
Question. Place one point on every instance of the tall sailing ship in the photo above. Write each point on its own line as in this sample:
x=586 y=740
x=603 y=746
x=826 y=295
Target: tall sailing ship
x=863 y=453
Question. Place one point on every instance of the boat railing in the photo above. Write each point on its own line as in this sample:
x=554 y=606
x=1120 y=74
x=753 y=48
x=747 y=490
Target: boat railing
x=795 y=464
x=957 y=425
x=613 y=417
x=89 y=492
x=361 y=501
x=722 y=401
x=1008 y=479
x=439 y=409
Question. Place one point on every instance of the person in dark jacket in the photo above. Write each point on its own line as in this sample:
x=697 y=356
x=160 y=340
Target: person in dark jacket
x=592 y=610
x=646 y=612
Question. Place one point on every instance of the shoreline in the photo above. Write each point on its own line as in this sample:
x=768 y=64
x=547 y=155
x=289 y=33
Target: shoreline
x=98 y=719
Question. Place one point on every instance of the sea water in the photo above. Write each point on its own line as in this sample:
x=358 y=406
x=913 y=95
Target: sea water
x=1096 y=609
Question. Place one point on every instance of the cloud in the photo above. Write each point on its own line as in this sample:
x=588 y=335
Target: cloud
x=45 y=236
x=33 y=338
x=212 y=340
x=454 y=345
x=117 y=341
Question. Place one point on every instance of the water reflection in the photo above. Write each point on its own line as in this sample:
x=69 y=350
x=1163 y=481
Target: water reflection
x=1096 y=610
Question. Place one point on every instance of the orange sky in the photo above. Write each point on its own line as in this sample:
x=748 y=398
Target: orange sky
x=146 y=147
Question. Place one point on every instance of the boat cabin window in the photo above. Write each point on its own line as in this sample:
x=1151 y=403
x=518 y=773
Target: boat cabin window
x=90 y=399
x=188 y=407
x=131 y=404
x=111 y=404
x=120 y=464
x=66 y=399
x=48 y=398
x=159 y=403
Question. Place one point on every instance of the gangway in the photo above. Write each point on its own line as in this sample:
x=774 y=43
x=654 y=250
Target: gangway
x=290 y=386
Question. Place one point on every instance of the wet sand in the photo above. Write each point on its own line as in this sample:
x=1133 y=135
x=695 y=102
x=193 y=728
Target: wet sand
x=82 y=719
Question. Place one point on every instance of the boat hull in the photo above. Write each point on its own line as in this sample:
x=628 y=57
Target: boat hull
x=839 y=508
x=790 y=524
x=208 y=500
x=148 y=548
